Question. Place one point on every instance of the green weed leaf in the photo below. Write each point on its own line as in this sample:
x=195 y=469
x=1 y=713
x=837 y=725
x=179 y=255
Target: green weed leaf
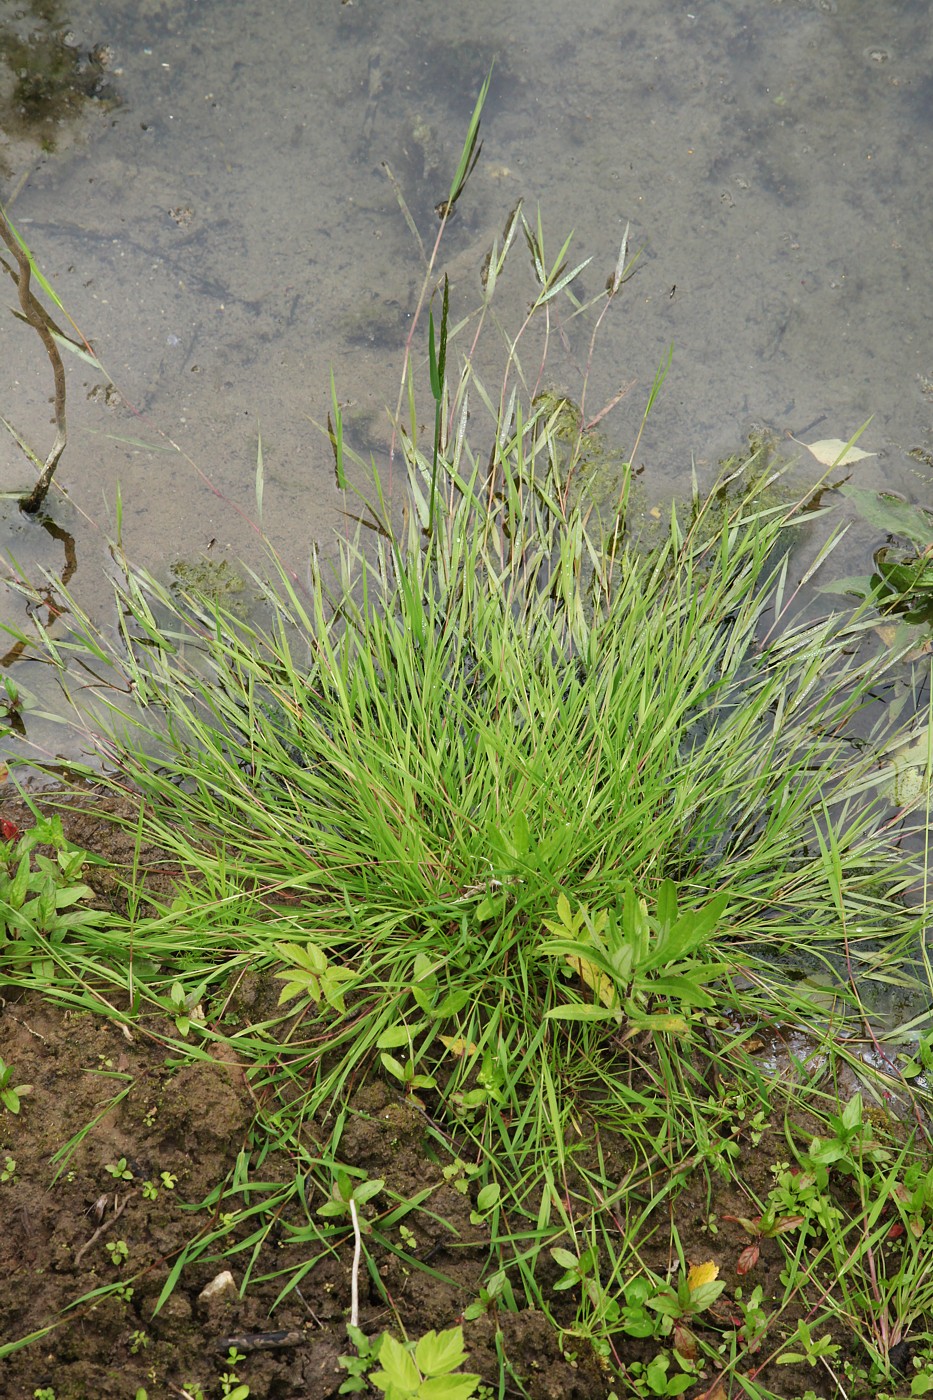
x=438 y=1353
x=397 y=1368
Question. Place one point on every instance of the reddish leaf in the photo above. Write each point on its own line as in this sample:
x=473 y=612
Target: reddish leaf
x=751 y=1227
x=685 y=1343
x=9 y=830
x=786 y=1222
x=748 y=1258
x=895 y=1231
x=715 y=1392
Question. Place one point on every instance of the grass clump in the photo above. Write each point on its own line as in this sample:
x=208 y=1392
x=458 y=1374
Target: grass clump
x=502 y=719
x=548 y=834
x=546 y=831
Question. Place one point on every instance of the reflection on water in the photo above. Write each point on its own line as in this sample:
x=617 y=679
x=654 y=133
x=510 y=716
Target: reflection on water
x=228 y=233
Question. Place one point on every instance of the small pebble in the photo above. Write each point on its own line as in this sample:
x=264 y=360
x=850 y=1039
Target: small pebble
x=223 y=1283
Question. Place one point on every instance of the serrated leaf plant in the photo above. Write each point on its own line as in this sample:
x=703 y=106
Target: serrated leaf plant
x=428 y=1370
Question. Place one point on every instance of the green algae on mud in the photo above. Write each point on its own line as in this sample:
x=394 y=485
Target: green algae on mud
x=49 y=82
x=211 y=581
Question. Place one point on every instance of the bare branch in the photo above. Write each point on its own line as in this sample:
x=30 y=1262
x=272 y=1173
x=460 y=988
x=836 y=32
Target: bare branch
x=37 y=318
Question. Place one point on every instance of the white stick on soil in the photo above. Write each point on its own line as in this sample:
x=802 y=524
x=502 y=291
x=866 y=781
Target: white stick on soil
x=355 y=1275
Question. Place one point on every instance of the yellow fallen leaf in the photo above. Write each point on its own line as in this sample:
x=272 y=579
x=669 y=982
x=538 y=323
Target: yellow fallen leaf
x=702 y=1273
x=457 y=1045
x=833 y=452
x=597 y=981
x=890 y=635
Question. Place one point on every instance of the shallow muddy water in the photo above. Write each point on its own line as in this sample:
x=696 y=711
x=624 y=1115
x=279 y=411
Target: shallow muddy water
x=215 y=212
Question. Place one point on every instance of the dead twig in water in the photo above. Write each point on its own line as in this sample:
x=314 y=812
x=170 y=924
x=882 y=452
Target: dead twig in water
x=37 y=318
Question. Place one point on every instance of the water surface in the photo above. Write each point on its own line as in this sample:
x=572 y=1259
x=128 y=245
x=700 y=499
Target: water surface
x=218 y=219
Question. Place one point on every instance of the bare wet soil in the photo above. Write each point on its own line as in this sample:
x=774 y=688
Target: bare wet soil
x=108 y=1173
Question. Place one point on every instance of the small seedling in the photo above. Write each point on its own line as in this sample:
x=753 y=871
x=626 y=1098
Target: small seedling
x=762 y=1227
x=9 y=1170
x=600 y=1310
x=118 y=1251
x=811 y=1349
x=358 y=1367
x=921 y=1062
x=139 y=1340
x=37 y=892
x=231 y=1387
x=486 y=1201
x=496 y=1292
x=619 y=953
x=184 y=1008
x=656 y=1377
x=341 y=1195
x=151 y=1188
x=577 y=1268
x=120 y=1171
x=637 y=1319
x=424 y=988
x=801 y=1193
x=695 y=1292
x=407 y=1075
x=754 y=1319
x=406 y=1072
x=851 y=1142
x=11 y=1094
x=310 y=974
x=458 y=1173
x=11 y=701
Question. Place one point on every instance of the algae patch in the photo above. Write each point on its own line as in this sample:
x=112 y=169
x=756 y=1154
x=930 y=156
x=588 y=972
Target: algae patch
x=211 y=581
x=45 y=80
x=595 y=475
